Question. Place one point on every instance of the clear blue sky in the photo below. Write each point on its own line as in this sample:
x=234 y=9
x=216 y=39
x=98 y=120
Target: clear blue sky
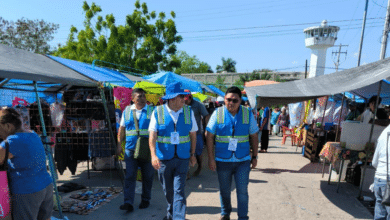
x=249 y=41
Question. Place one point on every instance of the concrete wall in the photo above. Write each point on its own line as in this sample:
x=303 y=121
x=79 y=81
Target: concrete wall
x=230 y=78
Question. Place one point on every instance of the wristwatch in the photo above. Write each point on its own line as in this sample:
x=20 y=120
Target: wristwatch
x=193 y=155
x=255 y=157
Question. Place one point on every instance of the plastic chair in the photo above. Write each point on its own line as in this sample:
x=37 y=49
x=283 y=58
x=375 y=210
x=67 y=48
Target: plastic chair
x=298 y=141
x=288 y=133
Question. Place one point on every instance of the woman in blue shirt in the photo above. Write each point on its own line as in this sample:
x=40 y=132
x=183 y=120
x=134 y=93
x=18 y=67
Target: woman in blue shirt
x=30 y=184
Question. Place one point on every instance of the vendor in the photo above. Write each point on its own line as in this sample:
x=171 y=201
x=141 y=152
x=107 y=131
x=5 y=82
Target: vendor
x=354 y=113
x=368 y=113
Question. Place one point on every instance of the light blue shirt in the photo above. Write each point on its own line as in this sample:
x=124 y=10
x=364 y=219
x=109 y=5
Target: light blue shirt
x=212 y=128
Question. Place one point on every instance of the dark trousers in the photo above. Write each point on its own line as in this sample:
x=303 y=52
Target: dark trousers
x=147 y=172
x=264 y=139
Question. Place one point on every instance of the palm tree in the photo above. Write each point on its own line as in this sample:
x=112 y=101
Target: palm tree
x=228 y=65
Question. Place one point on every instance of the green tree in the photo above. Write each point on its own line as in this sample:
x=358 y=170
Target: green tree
x=264 y=74
x=146 y=42
x=228 y=65
x=247 y=77
x=239 y=83
x=26 y=34
x=220 y=83
x=190 y=64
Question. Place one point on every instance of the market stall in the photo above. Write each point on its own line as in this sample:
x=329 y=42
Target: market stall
x=38 y=85
x=364 y=81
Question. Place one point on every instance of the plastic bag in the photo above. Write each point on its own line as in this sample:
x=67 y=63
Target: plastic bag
x=275 y=129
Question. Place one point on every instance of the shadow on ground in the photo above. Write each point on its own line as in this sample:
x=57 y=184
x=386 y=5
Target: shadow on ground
x=205 y=210
x=308 y=168
x=346 y=199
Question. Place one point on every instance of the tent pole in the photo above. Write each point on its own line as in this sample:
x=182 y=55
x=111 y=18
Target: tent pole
x=2 y=83
x=101 y=88
x=341 y=112
x=323 y=116
x=369 y=141
x=48 y=151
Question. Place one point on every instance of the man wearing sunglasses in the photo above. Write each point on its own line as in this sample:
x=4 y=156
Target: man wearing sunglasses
x=234 y=129
x=172 y=140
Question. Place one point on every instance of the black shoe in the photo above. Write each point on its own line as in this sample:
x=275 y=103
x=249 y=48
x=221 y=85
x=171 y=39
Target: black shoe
x=144 y=204
x=127 y=207
x=224 y=217
x=166 y=218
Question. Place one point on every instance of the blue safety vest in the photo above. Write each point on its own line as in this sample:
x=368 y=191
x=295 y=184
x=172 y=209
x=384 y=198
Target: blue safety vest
x=165 y=126
x=225 y=129
x=131 y=132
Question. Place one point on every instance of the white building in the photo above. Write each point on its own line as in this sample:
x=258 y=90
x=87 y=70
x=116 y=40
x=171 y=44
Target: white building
x=319 y=39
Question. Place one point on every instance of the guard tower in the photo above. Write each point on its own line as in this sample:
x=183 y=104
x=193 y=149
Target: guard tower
x=319 y=39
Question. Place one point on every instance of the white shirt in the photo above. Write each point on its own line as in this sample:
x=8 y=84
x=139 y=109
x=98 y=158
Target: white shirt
x=175 y=116
x=379 y=160
x=137 y=113
x=366 y=116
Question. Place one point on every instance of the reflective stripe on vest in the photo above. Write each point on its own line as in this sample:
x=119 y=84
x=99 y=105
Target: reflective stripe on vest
x=161 y=119
x=167 y=140
x=221 y=115
x=145 y=132
x=134 y=132
x=225 y=139
x=160 y=115
x=149 y=111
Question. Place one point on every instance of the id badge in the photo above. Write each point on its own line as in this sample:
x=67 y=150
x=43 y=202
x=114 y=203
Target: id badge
x=175 y=138
x=232 y=144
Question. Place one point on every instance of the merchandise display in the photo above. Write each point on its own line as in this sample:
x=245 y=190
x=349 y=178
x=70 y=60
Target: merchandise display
x=85 y=201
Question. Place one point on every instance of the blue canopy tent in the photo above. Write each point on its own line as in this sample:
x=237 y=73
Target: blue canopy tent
x=99 y=74
x=166 y=78
x=216 y=90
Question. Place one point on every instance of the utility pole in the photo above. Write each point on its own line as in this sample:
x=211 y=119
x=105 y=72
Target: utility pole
x=363 y=27
x=338 y=53
x=306 y=68
x=385 y=32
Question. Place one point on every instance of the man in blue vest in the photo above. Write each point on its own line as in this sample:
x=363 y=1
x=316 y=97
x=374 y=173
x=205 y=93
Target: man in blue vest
x=172 y=140
x=234 y=129
x=141 y=112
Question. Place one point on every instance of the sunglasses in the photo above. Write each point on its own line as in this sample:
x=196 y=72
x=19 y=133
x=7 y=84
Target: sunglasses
x=232 y=100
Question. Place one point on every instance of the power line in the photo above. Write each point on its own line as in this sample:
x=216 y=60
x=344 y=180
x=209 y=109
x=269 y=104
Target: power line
x=235 y=6
x=207 y=38
x=272 y=26
x=259 y=12
x=248 y=9
x=378 y=4
x=249 y=33
x=357 y=6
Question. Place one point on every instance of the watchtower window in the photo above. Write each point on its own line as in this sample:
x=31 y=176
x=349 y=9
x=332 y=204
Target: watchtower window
x=316 y=32
x=326 y=32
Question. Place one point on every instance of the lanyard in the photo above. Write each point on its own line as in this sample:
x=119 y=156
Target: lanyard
x=179 y=136
x=234 y=123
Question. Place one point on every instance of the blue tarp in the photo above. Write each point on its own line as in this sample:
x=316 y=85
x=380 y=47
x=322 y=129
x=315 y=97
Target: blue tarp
x=8 y=92
x=216 y=90
x=166 y=78
x=99 y=74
